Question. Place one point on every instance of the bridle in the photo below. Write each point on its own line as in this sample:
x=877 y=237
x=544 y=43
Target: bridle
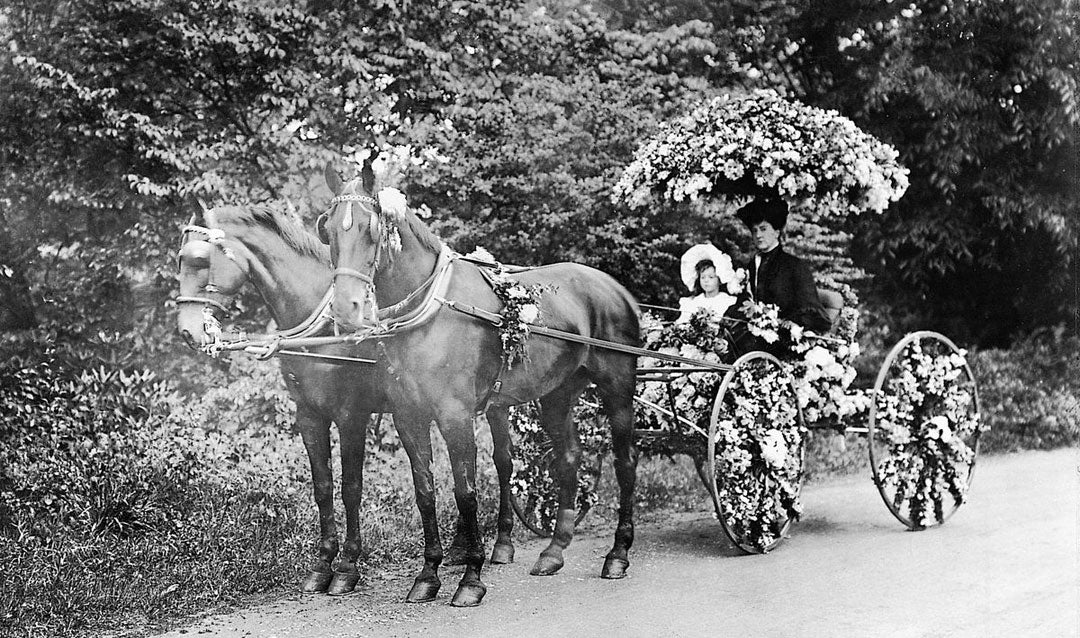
x=347 y=222
x=378 y=229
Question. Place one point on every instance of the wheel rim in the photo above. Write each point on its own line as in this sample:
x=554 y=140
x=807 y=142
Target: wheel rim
x=924 y=433
x=756 y=507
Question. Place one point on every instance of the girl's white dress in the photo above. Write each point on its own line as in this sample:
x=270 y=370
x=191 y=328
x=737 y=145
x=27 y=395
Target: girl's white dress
x=718 y=304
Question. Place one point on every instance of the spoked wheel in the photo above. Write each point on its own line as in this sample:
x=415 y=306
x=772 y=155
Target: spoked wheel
x=924 y=429
x=535 y=495
x=755 y=453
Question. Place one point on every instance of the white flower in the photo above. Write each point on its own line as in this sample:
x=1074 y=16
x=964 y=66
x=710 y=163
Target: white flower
x=528 y=313
x=773 y=448
x=392 y=202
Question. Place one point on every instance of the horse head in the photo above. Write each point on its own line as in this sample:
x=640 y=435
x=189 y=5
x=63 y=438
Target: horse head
x=364 y=236
x=211 y=273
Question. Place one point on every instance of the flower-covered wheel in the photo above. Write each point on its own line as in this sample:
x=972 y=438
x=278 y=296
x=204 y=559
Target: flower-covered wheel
x=924 y=429
x=755 y=453
x=533 y=488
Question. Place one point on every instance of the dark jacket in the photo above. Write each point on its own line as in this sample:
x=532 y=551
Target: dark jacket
x=786 y=281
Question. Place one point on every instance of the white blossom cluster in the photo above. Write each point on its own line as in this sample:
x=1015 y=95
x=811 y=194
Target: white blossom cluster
x=926 y=417
x=758 y=435
x=820 y=162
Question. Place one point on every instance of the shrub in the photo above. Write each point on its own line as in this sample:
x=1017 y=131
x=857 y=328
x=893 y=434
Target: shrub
x=1030 y=393
x=124 y=503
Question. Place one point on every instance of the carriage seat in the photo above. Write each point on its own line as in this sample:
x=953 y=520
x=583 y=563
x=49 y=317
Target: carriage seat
x=833 y=302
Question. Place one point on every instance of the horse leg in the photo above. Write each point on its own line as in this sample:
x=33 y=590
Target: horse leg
x=503 y=552
x=620 y=410
x=556 y=417
x=461 y=444
x=353 y=429
x=455 y=554
x=415 y=435
x=315 y=432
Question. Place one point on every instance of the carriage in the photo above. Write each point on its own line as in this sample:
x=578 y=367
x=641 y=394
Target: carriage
x=920 y=421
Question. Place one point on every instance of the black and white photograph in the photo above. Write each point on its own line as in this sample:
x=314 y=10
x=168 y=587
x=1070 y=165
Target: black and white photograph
x=539 y=318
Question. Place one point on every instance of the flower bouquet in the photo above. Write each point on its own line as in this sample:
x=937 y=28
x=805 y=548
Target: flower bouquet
x=759 y=143
x=688 y=395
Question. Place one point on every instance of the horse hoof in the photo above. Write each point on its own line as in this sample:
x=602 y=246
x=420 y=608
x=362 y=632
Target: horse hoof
x=316 y=582
x=502 y=554
x=454 y=556
x=546 y=565
x=468 y=594
x=423 y=591
x=343 y=583
x=614 y=568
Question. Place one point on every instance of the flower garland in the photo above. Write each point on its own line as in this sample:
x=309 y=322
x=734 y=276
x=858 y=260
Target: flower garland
x=521 y=308
x=759 y=448
x=816 y=159
x=926 y=419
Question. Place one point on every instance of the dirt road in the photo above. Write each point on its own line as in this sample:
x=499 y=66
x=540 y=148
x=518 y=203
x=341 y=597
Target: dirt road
x=1007 y=564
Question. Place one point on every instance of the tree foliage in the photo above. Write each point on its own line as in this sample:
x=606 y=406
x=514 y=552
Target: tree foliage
x=981 y=99
x=520 y=116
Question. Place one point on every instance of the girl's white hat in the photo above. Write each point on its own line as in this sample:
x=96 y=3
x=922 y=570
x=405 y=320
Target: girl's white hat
x=689 y=261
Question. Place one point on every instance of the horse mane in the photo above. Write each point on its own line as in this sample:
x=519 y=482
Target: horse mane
x=292 y=233
x=427 y=238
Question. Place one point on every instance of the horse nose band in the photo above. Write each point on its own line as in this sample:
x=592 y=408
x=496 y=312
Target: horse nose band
x=349 y=272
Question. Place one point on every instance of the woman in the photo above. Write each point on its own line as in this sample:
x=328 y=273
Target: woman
x=775 y=275
x=705 y=269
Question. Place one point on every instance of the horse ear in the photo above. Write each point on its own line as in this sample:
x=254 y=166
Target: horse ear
x=367 y=174
x=320 y=229
x=333 y=180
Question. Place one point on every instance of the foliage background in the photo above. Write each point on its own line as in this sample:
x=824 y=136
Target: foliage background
x=517 y=117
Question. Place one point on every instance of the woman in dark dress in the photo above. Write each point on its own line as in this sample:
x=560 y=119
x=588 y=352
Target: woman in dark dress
x=776 y=276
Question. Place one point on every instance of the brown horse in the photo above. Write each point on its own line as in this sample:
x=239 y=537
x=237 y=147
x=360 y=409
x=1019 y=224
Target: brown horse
x=450 y=365
x=290 y=269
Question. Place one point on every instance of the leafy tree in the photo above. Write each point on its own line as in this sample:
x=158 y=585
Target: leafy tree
x=980 y=98
x=539 y=131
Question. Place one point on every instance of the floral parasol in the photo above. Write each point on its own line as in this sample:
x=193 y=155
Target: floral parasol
x=761 y=144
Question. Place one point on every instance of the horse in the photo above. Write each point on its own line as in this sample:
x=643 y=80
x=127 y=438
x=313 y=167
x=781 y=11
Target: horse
x=289 y=267
x=446 y=364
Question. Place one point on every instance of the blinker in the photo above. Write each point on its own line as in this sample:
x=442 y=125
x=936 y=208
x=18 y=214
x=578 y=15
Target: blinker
x=347 y=219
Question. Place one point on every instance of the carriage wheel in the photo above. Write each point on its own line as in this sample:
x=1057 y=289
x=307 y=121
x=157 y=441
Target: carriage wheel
x=755 y=453
x=534 y=493
x=924 y=429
